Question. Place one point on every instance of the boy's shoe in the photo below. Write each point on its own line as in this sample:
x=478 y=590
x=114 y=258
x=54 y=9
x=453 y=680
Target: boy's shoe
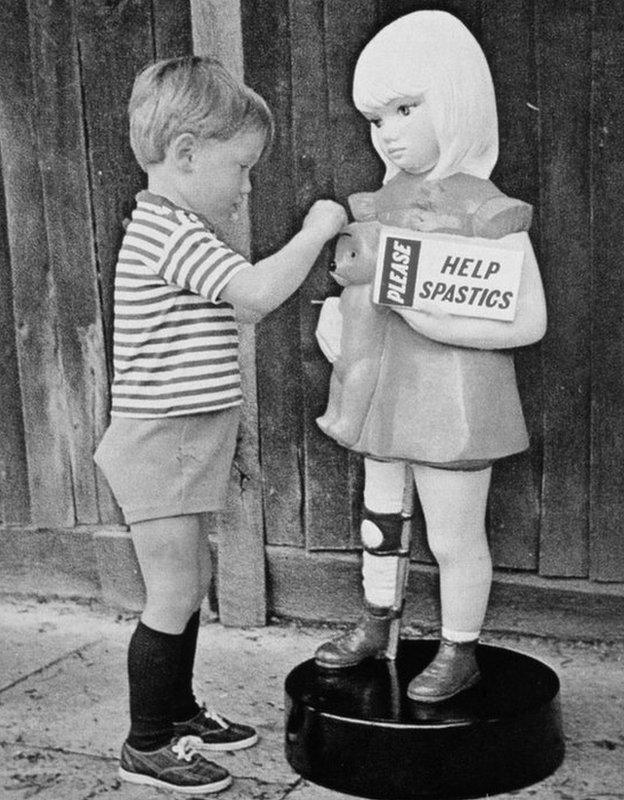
x=178 y=765
x=216 y=732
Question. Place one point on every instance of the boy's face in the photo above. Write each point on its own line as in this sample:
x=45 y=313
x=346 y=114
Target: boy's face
x=219 y=180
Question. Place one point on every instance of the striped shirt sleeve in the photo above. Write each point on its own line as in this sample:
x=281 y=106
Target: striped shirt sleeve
x=195 y=260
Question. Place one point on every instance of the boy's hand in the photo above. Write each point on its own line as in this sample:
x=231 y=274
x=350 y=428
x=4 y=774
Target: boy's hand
x=326 y=217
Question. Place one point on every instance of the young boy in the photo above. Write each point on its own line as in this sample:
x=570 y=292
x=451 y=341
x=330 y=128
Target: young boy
x=176 y=394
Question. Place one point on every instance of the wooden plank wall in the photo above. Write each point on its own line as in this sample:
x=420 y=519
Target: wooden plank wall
x=68 y=180
x=564 y=60
x=66 y=68
x=241 y=574
x=607 y=302
x=14 y=496
x=558 y=70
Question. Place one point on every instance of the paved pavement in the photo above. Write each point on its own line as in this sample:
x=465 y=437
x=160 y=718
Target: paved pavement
x=63 y=706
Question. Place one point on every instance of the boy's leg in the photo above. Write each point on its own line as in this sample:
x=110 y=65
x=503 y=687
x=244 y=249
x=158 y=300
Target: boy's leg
x=167 y=551
x=154 y=753
x=454 y=505
x=215 y=731
x=185 y=705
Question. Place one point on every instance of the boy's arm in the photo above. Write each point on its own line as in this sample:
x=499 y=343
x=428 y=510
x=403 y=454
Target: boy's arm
x=255 y=291
x=528 y=326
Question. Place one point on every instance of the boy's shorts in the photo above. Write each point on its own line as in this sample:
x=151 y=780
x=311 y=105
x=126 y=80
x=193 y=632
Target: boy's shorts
x=171 y=466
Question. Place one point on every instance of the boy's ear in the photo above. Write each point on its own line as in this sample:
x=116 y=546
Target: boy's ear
x=182 y=149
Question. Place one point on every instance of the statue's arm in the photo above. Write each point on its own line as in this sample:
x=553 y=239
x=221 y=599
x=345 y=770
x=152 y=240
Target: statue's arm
x=528 y=326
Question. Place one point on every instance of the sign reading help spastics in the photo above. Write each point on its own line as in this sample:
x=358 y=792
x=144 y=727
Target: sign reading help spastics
x=459 y=275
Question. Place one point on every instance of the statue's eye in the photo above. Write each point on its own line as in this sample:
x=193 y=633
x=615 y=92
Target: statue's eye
x=353 y=254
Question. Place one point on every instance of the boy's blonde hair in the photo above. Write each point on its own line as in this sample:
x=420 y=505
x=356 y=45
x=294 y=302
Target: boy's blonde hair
x=190 y=95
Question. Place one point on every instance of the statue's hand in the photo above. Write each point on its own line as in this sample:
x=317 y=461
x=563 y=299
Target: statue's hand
x=500 y=216
x=423 y=219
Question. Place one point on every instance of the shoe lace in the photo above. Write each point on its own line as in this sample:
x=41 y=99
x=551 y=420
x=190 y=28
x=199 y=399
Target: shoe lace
x=210 y=713
x=186 y=747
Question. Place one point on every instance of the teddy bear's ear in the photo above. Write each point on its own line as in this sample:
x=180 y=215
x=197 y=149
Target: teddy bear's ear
x=362 y=205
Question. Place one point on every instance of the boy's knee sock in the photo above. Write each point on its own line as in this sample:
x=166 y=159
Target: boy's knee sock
x=184 y=706
x=153 y=663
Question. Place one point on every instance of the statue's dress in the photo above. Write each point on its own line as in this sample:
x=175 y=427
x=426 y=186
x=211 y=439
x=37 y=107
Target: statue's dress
x=431 y=402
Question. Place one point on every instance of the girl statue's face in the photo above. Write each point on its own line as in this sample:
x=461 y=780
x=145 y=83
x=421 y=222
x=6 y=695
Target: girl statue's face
x=406 y=134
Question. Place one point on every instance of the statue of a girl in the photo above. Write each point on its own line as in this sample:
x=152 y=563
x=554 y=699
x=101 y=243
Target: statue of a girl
x=444 y=402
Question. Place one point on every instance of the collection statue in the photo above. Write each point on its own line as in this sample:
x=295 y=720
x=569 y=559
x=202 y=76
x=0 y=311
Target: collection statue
x=426 y=397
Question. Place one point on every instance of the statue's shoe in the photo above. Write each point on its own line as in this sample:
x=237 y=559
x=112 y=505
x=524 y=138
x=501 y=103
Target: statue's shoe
x=453 y=670
x=368 y=639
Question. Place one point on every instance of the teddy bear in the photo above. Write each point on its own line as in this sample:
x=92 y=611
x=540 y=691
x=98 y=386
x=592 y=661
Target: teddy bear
x=362 y=328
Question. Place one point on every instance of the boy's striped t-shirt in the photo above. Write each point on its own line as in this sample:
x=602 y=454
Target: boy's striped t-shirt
x=175 y=343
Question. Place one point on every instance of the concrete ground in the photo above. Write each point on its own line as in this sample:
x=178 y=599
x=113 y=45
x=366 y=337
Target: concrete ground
x=63 y=706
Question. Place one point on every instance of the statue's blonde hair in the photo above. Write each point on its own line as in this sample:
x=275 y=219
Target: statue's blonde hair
x=432 y=53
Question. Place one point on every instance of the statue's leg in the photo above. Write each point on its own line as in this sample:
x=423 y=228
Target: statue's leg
x=454 y=504
x=402 y=566
x=385 y=538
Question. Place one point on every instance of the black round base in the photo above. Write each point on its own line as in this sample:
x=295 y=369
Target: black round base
x=355 y=731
